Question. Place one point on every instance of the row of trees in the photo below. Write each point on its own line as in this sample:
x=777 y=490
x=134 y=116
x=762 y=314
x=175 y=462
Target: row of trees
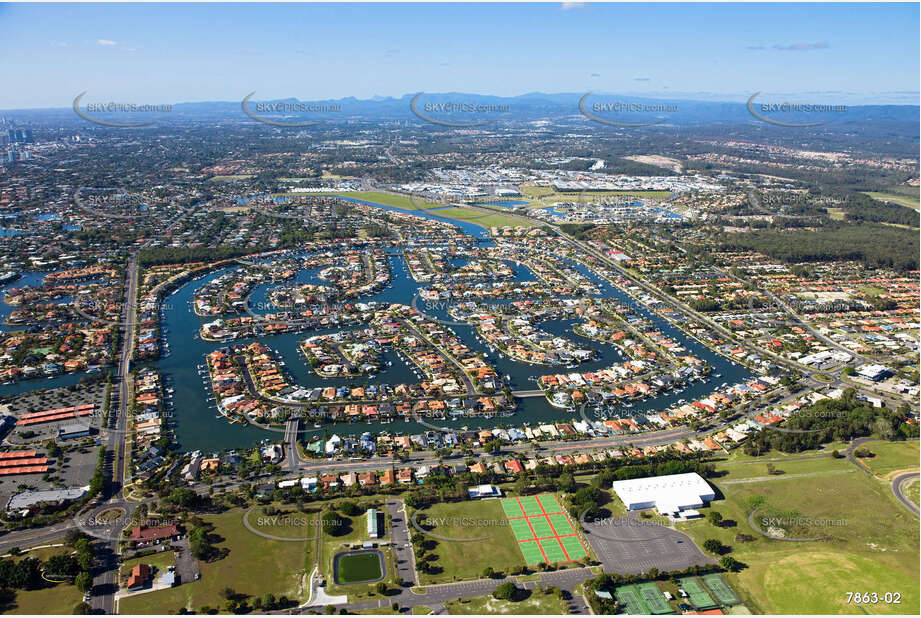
x=876 y=246
x=832 y=420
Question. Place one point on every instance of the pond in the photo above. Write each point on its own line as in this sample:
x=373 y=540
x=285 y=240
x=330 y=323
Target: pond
x=359 y=567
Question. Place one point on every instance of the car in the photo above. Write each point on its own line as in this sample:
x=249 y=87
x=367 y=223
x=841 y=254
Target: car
x=86 y=597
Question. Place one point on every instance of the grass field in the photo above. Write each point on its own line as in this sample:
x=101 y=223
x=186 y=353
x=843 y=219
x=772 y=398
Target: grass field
x=462 y=560
x=230 y=178
x=902 y=200
x=332 y=545
x=536 y=603
x=547 y=195
x=57 y=599
x=911 y=490
x=892 y=456
x=871 y=542
x=543 y=531
x=377 y=197
x=480 y=218
x=359 y=568
x=253 y=566
x=471 y=215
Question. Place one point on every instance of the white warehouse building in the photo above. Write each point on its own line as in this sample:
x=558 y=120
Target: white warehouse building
x=674 y=494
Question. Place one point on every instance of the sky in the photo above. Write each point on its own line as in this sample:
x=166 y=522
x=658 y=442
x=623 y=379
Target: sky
x=173 y=53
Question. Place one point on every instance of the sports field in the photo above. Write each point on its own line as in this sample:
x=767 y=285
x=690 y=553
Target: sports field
x=698 y=596
x=542 y=529
x=645 y=598
x=720 y=589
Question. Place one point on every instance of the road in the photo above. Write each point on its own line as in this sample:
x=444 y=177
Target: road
x=435 y=596
x=896 y=486
x=105 y=582
x=399 y=534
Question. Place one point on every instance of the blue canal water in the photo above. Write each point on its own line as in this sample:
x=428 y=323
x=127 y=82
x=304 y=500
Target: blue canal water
x=200 y=427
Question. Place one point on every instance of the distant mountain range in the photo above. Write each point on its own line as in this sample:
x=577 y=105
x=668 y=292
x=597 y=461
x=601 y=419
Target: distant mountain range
x=531 y=107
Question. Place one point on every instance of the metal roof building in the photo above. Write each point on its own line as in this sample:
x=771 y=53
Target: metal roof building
x=372 y=523
x=668 y=494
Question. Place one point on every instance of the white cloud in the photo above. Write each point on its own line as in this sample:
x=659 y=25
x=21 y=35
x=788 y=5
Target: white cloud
x=106 y=42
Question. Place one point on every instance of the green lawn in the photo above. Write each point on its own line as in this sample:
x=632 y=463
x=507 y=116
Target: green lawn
x=536 y=603
x=56 y=599
x=481 y=218
x=911 y=491
x=359 y=568
x=462 y=560
x=902 y=200
x=378 y=197
x=892 y=456
x=230 y=178
x=742 y=470
x=871 y=541
x=253 y=566
x=352 y=539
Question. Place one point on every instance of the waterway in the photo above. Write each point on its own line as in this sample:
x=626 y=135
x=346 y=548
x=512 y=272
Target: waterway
x=200 y=427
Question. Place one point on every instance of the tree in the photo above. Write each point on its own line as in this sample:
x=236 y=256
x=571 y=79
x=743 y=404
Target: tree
x=82 y=609
x=715 y=518
x=62 y=564
x=335 y=524
x=730 y=564
x=268 y=600
x=506 y=592
x=83 y=582
x=183 y=497
x=381 y=588
x=713 y=546
x=350 y=508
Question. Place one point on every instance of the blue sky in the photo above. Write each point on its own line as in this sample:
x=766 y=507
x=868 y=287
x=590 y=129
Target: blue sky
x=846 y=53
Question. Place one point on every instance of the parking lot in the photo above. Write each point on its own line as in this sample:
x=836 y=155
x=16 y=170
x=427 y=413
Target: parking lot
x=631 y=545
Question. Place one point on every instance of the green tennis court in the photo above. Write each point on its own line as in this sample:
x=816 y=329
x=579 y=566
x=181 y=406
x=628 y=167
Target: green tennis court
x=511 y=508
x=550 y=503
x=720 y=589
x=553 y=533
x=541 y=527
x=531 y=552
x=531 y=505
x=630 y=598
x=654 y=598
x=561 y=524
x=553 y=550
x=699 y=597
x=573 y=547
x=521 y=529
